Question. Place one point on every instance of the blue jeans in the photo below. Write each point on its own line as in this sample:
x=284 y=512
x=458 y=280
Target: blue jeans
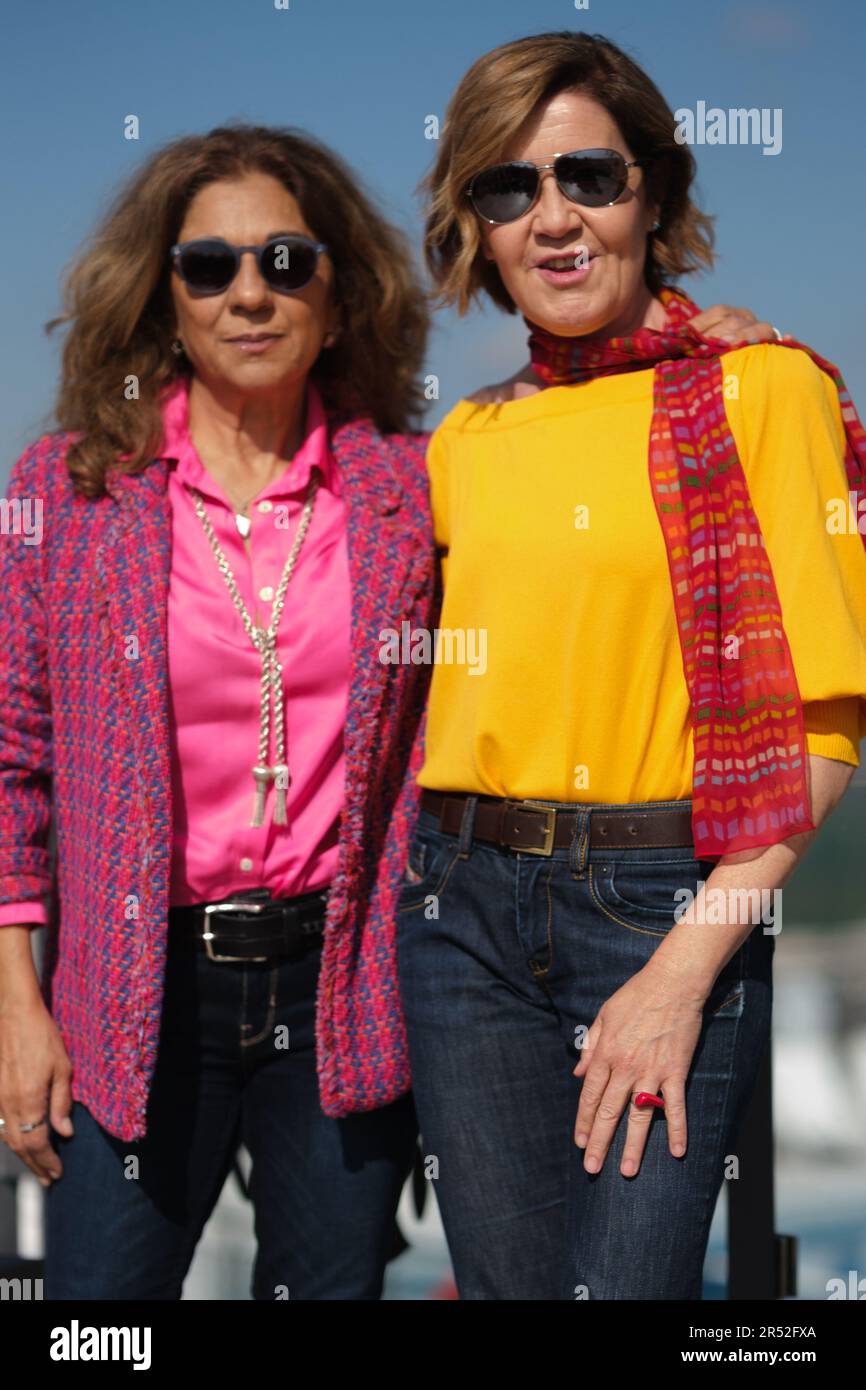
x=524 y=951
x=324 y=1191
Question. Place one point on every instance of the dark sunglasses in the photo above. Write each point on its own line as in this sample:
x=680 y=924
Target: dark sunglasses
x=209 y=265
x=594 y=178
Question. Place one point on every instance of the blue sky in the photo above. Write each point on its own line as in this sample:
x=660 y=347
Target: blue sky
x=363 y=77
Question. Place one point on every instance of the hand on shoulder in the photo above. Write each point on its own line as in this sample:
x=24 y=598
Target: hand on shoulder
x=487 y=395
x=524 y=382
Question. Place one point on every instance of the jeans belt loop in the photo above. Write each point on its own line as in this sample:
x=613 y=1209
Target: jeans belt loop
x=585 y=831
x=580 y=845
x=467 y=825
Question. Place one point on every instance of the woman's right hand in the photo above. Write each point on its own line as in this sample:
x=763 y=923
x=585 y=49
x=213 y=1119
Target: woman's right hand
x=35 y=1074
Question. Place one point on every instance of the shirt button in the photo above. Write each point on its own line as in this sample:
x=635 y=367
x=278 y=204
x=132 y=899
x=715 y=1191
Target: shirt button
x=265 y=507
x=266 y=594
x=246 y=865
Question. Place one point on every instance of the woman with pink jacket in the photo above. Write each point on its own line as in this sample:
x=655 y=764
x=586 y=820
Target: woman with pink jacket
x=201 y=566
x=190 y=681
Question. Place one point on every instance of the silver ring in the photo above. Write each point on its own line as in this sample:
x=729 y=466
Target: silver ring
x=25 y=1129
x=777 y=333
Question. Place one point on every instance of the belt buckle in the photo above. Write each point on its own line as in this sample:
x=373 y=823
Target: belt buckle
x=230 y=905
x=549 y=829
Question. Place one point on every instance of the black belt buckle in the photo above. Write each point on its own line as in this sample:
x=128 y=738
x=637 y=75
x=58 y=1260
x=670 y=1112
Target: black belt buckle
x=256 y=901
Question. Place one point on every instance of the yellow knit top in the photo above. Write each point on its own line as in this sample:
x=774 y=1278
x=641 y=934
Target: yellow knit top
x=558 y=671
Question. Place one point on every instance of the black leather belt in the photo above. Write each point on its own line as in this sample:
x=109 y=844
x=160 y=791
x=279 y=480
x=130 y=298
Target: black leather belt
x=534 y=829
x=251 y=925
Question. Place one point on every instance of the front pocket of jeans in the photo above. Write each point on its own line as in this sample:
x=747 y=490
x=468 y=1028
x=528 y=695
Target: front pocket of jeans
x=644 y=897
x=432 y=857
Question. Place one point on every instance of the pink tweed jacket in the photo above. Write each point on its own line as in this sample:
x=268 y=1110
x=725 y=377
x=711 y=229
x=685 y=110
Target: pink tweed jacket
x=84 y=733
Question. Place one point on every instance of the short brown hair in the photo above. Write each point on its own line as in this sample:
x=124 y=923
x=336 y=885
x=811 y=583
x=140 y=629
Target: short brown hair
x=117 y=296
x=496 y=97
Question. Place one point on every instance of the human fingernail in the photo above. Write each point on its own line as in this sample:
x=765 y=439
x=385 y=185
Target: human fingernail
x=592 y=1164
x=581 y=1141
x=629 y=1168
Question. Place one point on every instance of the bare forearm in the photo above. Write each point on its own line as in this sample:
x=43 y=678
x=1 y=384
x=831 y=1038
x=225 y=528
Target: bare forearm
x=731 y=902
x=19 y=982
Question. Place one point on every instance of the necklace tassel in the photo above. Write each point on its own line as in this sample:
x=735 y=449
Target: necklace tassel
x=281 y=782
x=264 y=641
x=262 y=775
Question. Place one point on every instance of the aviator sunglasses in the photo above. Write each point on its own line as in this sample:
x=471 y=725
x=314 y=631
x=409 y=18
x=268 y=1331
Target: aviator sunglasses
x=593 y=178
x=209 y=265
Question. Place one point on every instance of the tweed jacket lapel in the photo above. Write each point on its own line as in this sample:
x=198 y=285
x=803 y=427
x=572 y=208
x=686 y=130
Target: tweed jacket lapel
x=132 y=561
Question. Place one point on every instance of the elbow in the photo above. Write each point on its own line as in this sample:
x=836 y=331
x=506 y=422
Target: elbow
x=830 y=781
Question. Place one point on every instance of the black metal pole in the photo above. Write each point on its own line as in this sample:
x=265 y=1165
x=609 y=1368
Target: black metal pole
x=761 y=1264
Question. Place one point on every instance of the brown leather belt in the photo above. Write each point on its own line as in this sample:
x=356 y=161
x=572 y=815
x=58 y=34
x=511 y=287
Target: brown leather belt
x=534 y=829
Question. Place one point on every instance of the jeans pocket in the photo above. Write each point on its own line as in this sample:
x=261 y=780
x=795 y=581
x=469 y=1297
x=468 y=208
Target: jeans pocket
x=430 y=860
x=646 y=895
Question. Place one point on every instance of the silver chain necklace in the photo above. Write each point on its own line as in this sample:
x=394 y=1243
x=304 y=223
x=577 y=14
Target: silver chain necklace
x=264 y=640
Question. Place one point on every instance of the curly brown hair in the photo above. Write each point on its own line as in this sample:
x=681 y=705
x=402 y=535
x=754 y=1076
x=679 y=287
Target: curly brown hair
x=496 y=97
x=117 y=297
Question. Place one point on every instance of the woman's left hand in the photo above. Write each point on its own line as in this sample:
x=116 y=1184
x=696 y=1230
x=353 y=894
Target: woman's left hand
x=643 y=1039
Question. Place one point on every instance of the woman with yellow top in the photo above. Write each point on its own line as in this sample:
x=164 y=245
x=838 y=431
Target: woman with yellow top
x=649 y=691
